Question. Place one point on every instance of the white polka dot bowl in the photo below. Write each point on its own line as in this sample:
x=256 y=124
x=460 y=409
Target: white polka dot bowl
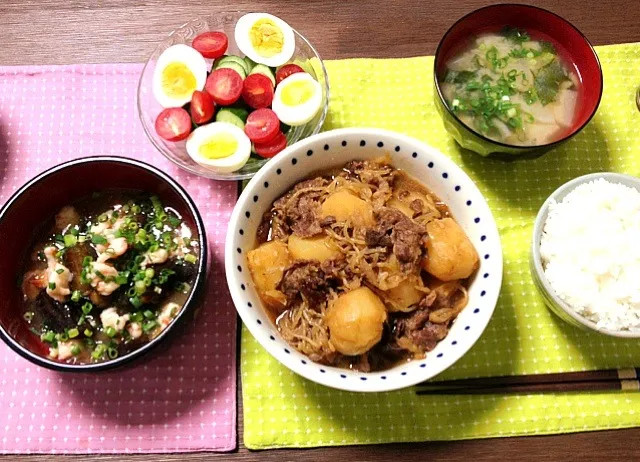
x=435 y=170
x=551 y=299
x=305 y=55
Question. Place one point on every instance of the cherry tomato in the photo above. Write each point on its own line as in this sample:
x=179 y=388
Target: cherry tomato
x=211 y=45
x=257 y=91
x=201 y=107
x=271 y=147
x=262 y=125
x=286 y=70
x=224 y=85
x=173 y=124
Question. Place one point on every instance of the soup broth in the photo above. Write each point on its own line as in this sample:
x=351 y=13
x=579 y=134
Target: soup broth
x=512 y=89
x=107 y=274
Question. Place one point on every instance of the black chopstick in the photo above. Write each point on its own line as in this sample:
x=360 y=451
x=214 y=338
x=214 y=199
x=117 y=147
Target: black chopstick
x=558 y=387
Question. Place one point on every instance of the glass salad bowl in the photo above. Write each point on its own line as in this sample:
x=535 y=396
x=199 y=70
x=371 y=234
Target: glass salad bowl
x=304 y=55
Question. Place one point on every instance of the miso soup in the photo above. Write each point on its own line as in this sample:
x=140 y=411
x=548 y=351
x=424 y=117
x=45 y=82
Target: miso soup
x=512 y=89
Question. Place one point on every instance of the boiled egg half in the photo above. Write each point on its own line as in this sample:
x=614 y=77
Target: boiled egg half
x=264 y=38
x=219 y=146
x=297 y=99
x=180 y=70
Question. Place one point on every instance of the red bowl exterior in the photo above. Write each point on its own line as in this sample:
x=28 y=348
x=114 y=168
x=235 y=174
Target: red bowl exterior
x=42 y=197
x=541 y=24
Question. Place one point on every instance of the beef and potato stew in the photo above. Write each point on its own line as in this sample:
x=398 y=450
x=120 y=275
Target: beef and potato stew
x=107 y=274
x=362 y=267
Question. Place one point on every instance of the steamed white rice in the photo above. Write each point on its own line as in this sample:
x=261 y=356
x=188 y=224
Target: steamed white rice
x=590 y=251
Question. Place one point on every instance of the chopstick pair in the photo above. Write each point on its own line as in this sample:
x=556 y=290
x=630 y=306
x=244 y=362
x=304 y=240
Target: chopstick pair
x=604 y=380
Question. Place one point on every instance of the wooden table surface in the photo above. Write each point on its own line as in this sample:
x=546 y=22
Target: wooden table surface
x=84 y=31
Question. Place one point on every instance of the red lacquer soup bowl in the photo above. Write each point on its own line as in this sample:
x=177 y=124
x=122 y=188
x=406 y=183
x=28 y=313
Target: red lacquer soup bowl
x=39 y=199
x=572 y=47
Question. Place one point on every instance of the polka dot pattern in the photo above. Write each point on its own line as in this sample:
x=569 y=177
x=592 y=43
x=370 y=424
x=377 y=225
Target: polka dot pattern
x=177 y=399
x=283 y=410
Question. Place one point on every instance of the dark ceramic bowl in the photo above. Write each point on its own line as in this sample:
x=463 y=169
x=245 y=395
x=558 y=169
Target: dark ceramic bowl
x=47 y=193
x=541 y=25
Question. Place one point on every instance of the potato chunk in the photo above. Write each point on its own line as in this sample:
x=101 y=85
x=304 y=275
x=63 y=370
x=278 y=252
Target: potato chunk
x=355 y=320
x=320 y=248
x=267 y=264
x=344 y=205
x=450 y=253
x=404 y=295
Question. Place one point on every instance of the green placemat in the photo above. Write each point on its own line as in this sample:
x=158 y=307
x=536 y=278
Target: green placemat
x=282 y=409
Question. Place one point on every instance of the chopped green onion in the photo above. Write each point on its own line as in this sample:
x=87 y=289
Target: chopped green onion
x=149 y=272
x=190 y=258
x=137 y=316
x=149 y=325
x=52 y=286
x=110 y=331
x=28 y=316
x=70 y=240
x=121 y=279
x=147 y=282
x=136 y=209
x=87 y=260
x=174 y=221
x=63 y=337
x=87 y=307
x=76 y=296
x=100 y=275
x=149 y=314
x=81 y=320
x=60 y=270
x=140 y=287
x=98 y=240
x=48 y=337
x=88 y=332
x=73 y=333
x=99 y=351
x=135 y=301
x=76 y=350
x=102 y=218
x=112 y=352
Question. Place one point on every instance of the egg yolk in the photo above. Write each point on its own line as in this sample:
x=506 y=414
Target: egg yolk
x=266 y=38
x=218 y=146
x=178 y=80
x=296 y=93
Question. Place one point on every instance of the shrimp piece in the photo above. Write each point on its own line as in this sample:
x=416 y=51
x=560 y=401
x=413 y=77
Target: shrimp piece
x=135 y=330
x=101 y=227
x=167 y=314
x=58 y=276
x=64 y=350
x=32 y=283
x=66 y=217
x=102 y=286
x=115 y=248
x=111 y=318
x=155 y=257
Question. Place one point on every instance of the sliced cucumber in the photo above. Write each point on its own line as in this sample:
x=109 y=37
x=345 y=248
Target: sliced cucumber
x=235 y=66
x=233 y=59
x=264 y=70
x=226 y=115
x=250 y=62
x=240 y=112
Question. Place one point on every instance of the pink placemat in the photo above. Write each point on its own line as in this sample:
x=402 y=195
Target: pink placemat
x=177 y=400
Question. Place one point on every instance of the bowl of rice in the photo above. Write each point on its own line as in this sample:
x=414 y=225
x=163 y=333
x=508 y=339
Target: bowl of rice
x=585 y=253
